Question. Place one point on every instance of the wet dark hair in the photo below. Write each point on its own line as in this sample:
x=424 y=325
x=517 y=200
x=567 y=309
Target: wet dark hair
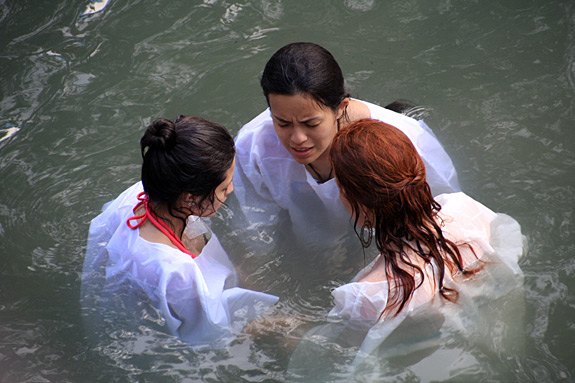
x=189 y=155
x=305 y=68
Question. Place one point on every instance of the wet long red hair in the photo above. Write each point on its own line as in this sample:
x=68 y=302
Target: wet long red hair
x=379 y=171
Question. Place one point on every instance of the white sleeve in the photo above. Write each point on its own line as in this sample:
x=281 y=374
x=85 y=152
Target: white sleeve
x=360 y=304
x=252 y=193
x=198 y=304
x=250 y=186
x=101 y=230
x=441 y=174
x=494 y=236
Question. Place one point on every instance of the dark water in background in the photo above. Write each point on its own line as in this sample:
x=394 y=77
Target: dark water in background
x=76 y=92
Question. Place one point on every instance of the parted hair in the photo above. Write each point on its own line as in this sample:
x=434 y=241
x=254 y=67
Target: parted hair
x=190 y=154
x=305 y=68
x=378 y=169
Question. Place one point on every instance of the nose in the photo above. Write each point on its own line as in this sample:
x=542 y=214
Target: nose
x=298 y=136
x=230 y=189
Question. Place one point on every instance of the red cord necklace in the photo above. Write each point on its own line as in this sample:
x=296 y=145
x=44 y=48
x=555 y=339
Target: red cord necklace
x=160 y=225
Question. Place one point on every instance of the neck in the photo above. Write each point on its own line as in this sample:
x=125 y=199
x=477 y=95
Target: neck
x=321 y=170
x=175 y=223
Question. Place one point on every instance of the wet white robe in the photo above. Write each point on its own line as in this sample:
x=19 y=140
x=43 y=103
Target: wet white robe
x=267 y=178
x=464 y=221
x=198 y=299
x=489 y=310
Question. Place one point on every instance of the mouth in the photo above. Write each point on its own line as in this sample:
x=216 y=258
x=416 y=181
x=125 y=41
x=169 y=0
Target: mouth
x=301 y=152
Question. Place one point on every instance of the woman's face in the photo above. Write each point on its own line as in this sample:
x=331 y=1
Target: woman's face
x=220 y=195
x=304 y=127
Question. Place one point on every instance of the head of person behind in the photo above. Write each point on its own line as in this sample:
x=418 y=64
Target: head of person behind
x=382 y=184
x=187 y=169
x=304 y=88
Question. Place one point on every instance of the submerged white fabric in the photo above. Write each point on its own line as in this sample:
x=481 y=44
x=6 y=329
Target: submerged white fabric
x=488 y=315
x=267 y=178
x=495 y=238
x=197 y=298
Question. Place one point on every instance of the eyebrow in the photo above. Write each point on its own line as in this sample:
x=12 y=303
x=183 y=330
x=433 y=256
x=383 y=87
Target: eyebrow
x=303 y=121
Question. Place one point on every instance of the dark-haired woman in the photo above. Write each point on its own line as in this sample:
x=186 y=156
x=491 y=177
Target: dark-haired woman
x=430 y=249
x=150 y=245
x=282 y=154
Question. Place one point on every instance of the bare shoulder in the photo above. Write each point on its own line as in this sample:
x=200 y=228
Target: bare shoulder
x=357 y=110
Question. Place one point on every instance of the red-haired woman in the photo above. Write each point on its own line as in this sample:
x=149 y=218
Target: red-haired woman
x=428 y=247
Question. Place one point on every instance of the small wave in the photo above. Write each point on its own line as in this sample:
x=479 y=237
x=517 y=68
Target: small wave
x=360 y=5
x=7 y=133
x=95 y=7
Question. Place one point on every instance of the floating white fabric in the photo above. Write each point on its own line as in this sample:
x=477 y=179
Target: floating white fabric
x=198 y=299
x=267 y=179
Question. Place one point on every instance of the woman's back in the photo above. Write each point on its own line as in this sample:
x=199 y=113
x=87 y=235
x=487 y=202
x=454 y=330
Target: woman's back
x=473 y=227
x=137 y=261
x=429 y=328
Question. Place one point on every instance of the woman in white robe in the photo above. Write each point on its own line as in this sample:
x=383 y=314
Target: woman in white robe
x=149 y=248
x=282 y=154
x=443 y=263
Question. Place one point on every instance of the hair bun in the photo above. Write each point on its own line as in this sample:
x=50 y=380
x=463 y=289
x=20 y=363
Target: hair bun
x=161 y=134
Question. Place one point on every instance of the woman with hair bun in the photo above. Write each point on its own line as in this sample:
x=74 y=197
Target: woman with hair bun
x=150 y=244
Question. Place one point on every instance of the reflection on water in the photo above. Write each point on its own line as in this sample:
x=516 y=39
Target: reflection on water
x=95 y=7
x=7 y=133
x=80 y=80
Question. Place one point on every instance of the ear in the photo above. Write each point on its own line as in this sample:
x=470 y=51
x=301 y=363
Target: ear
x=189 y=201
x=187 y=197
x=341 y=108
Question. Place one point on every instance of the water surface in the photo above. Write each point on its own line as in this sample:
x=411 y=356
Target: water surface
x=79 y=84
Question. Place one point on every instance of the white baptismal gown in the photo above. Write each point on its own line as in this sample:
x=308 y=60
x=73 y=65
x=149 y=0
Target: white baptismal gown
x=489 y=301
x=464 y=221
x=198 y=299
x=268 y=180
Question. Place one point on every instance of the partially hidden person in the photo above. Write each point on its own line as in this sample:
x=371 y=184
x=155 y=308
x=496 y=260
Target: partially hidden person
x=446 y=282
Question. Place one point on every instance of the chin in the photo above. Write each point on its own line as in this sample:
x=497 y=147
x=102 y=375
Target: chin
x=302 y=161
x=306 y=160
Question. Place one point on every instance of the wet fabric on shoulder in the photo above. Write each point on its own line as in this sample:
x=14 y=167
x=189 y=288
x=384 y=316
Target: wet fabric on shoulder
x=496 y=247
x=267 y=178
x=197 y=300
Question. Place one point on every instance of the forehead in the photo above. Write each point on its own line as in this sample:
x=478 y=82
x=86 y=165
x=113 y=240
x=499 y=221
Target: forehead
x=301 y=105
